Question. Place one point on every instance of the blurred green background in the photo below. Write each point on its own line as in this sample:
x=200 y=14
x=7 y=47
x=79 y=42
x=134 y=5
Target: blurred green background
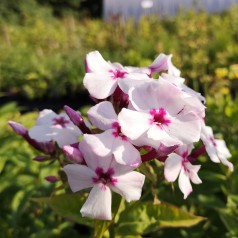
x=42 y=49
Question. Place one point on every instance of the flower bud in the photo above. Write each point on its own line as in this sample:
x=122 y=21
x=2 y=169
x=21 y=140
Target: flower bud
x=47 y=147
x=77 y=119
x=73 y=154
x=52 y=179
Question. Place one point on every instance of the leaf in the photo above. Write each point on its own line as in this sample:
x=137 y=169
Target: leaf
x=230 y=220
x=146 y=217
x=68 y=206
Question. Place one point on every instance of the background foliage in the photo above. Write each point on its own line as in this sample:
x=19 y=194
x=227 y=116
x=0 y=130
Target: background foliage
x=42 y=56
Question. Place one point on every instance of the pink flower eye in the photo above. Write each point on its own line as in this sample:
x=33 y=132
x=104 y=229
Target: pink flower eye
x=103 y=177
x=159 y=117
x=117 y=131
x=118 y=73
x=61 y=121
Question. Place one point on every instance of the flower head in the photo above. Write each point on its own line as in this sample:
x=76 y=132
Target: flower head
x=52 y=127
x=103 y=175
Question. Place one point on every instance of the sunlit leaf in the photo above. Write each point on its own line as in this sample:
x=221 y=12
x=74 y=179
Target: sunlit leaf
x=146 y=217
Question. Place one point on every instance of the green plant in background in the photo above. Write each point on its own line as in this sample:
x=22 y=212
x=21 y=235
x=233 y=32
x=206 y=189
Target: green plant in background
x=41 y=51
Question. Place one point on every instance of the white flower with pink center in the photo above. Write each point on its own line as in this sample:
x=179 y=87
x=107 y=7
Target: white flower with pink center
x=216 y=149
x=52 y=127
x=162 y=114
x=103 y=77
x=178 y=164
x=112 y=141
x=104 y=175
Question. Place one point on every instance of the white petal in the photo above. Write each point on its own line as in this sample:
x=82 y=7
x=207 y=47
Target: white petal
x=171 y=68
x=129 y=185
x=172 y=167
x=102 y=115
x=184 y=183
x=95 y=62
x=99 y=85
x=125 y=153
x=178 y=81
x=98 y=203
x=185 y=129
x=193 y=170
x=133 y=124
x=79 y=176
x=64 y=136
x=96 y=150
x=173 y=101
x=159 y=134
x=45 y=117
x=144 y=97
x=160 y=63
x=42 y=133
x=133 y=80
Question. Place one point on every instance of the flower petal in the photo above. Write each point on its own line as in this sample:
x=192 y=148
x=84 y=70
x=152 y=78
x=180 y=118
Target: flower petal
x=96 y=150
x=99 y=85
x=149 y=98
x=133 y=124
x=193 y=170
x=160 y=135
x=187 y=129
x=98 y=203
x=45 y=117
x=95 y=62
x=172 y=167
x=42 y=133
x=65 y=136
x=129 y=185
x=133 y=80
x=79 y=176
x=102 y=115
x=125 y=153
x=184 y=183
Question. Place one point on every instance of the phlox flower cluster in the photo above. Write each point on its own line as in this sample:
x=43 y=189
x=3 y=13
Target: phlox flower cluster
x=141 y=114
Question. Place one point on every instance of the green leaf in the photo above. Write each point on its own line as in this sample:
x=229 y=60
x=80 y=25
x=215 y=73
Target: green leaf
x=68 y=206
x=146 y=217
x=230 y=220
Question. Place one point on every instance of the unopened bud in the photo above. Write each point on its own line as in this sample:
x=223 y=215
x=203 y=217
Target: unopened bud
x=52 y=179
x=77 y=119
x=73 y=154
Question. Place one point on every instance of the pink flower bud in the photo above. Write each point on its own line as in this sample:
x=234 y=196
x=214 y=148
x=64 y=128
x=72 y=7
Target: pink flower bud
x=52 y=179
x=18 y=128
x=47 y=147
x=77 y=119
x=40 y=158
x=73 y=154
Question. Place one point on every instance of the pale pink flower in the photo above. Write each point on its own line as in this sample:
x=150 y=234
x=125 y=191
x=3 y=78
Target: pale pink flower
x=177 y=164
x=52 y=127
x=163 y=115
x=104 y=175
x=216 y=149
x=103 y=77
x=112 y=141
